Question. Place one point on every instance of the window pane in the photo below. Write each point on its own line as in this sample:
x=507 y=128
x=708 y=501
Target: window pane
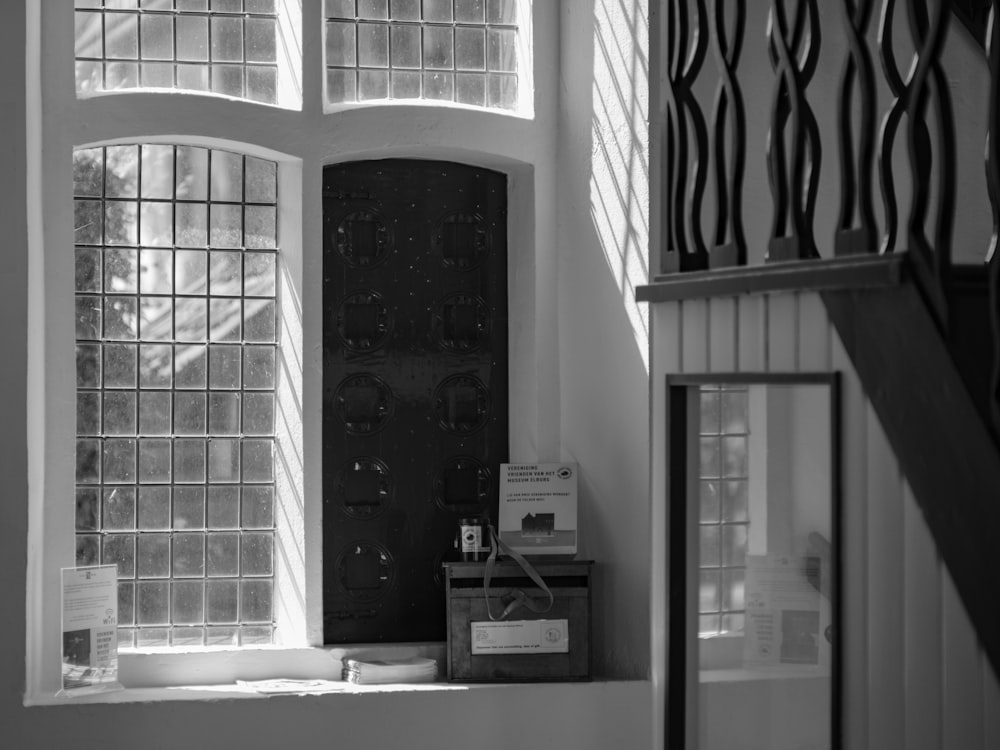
x=121 y=36
x=470 y=49
x=340 y=44
x=193 y=46
x=469 y=11
x=192 y=38
x=168 y=436
x=373 y=45
x=437 y=11
x=154 y=508
x=405 y=46
x=501 y=49
x=223 y=507
x=157 y=35
x=438 y=49
x=261 y=180
x=261 y=40
x=260 y=221
x=415 y=35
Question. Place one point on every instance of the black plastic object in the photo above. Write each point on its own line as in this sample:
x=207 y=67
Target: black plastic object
x=415 y=421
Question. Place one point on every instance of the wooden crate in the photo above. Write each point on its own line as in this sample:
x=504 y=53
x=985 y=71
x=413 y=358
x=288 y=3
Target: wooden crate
x=570 y=583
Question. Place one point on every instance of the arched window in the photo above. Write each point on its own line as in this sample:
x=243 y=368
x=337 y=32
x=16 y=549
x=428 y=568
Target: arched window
x=176 y=336
x=236 y=48
x=460 y=51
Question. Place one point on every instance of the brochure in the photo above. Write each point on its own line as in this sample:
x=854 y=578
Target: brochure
x=89 y=629
x=538 y=507
x=787 y=619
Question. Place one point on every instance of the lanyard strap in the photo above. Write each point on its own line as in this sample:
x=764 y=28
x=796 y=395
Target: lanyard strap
x=516 y=598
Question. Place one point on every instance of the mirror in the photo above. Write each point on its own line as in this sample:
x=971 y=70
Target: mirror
x=754 y=539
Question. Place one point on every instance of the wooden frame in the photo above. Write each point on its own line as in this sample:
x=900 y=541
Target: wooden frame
x=681 y=462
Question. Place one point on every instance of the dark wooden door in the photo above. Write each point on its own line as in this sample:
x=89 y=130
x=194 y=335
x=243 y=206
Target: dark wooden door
x=415 y=378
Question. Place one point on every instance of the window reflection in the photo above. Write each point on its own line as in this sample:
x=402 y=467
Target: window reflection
x=764 y=513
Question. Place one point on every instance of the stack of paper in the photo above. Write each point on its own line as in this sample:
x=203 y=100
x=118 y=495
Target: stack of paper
x=377 y=672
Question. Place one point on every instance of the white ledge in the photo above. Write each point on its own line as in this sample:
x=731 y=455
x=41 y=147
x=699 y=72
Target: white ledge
x=236 y=692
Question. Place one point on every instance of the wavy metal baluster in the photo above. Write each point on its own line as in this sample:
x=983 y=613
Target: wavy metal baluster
x=730 y=247
x=993 y=187
x=686 y=47
x=930 y=85
x=793 y=58
x=925 y=84
x=890 y=123
x=856 y=230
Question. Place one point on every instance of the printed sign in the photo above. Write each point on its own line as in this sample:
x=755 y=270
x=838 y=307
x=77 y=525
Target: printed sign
x=538 y=504
x=89 y=629
x=520 y=637
x=787 y=619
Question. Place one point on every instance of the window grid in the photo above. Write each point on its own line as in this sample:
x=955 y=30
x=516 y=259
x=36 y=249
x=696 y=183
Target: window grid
x=482 y=33
x=175 y=467
x=723 y=503
x=251 y=75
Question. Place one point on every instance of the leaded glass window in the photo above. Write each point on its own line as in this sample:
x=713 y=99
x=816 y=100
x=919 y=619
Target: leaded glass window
x=176 y=344
x=723 y=521
x=462 y=51
x=227 y=47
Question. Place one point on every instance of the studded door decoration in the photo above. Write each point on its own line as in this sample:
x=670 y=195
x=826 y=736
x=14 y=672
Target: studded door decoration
x=414 y=385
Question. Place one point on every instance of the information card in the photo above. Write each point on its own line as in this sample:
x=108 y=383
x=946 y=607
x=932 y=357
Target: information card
x=89 y=629
x=538 y=505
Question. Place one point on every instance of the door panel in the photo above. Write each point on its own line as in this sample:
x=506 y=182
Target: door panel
x=415 y=420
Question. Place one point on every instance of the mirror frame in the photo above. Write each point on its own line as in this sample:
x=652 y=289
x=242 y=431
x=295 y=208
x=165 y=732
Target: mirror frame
x=682 y=414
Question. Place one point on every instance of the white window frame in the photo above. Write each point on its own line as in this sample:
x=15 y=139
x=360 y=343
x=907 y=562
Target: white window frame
x=289 y=64
x=525 y=79
x=301 y=142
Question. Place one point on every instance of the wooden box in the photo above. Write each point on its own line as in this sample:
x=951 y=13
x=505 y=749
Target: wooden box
x=570 y=583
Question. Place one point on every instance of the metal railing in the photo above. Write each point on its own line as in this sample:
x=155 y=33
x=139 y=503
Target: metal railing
x=919 y=119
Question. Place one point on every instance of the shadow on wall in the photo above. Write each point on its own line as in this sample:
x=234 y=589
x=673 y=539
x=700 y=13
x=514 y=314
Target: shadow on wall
x=602 y=195
x=619 y=179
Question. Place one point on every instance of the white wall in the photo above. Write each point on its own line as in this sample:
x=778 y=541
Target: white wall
x=603 y=217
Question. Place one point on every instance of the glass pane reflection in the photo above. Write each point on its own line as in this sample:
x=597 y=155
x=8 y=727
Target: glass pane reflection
x=764 y=513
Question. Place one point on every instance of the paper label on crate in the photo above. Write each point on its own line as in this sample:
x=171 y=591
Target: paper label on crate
x=520 y=637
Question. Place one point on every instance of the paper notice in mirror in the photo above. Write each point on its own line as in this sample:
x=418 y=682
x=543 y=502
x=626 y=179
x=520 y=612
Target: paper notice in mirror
x=787 y=620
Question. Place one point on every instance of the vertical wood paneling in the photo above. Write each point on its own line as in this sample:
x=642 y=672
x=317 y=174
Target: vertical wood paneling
x=921 y=630
x=666 y=354
x=914 y=676
x=854 y=551
x=695 y=335
x=885 y=592
x=814 y=334
x=722 y=334
x=782 y=333
x=665 y=332
x=962 y=685
x=750 y=336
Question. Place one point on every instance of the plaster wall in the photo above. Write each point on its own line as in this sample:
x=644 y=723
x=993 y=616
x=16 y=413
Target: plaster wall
x=603 y=233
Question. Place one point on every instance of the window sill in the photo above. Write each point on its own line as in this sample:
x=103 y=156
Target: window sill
x=173 y=674
x=764 y=674
x=226 y=692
